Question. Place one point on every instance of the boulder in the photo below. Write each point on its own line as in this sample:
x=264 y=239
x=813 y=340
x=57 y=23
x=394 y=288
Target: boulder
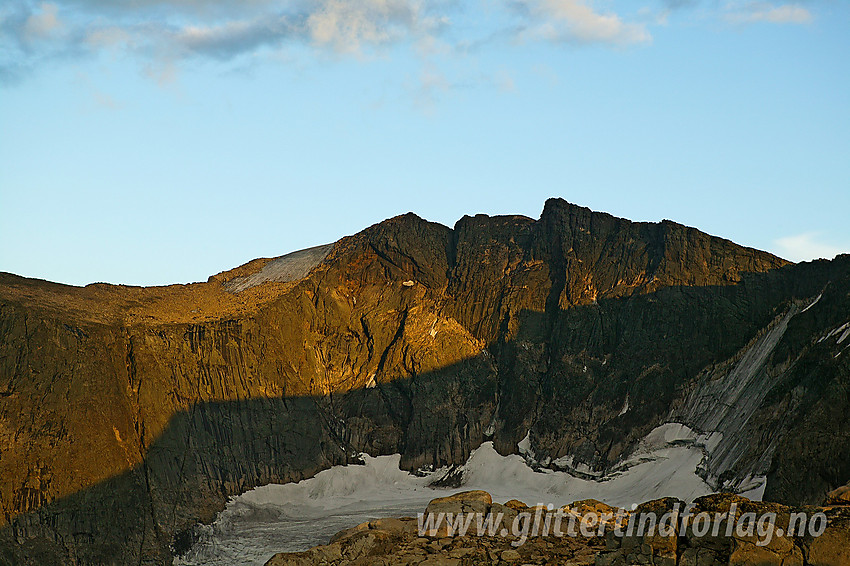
x=464 y=502
x=840 y=496
x=516 y=505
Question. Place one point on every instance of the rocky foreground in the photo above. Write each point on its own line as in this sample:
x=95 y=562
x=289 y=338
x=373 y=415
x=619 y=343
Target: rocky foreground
x=592 y=533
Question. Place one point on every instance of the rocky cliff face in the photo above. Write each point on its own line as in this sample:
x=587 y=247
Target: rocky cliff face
x=129 y=414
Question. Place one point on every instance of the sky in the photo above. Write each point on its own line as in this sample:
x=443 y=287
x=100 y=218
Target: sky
x=161 y=141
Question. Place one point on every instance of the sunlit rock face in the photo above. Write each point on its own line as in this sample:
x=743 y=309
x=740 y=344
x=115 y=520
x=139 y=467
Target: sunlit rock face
x=129 y=414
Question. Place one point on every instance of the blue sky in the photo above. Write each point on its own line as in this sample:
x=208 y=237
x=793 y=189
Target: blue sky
x=161 y=141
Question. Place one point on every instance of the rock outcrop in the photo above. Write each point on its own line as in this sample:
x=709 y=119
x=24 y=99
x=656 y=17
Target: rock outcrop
x=399 y=541
x=656 y=532
x=128 y=415
x=760 y=534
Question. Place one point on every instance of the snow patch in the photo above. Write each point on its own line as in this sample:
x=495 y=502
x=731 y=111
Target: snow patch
x=625 y=408
x=753 y=487
x=295 y=516
x=813 y=303
x=524 y=447
x=289 y=267
x=843 y=330
x=679 y=434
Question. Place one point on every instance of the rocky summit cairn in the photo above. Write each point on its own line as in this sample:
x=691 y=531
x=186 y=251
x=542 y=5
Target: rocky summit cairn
x=540 y=540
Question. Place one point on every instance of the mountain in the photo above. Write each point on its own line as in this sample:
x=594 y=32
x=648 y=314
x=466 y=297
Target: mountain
x=129 y=414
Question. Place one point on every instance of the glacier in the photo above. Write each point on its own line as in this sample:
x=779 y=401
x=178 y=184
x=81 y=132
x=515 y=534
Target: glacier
x=292 y=517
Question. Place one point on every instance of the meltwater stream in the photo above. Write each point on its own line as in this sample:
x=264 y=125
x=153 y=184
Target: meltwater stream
x=293 y=517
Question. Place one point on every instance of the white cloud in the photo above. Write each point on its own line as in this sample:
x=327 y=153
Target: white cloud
x=42 y=24
x=574 y=21
x=766 y=12
x=107 y=37
x=33 y=32
x=346 y=24
x=162 y=72
x=231 y=38
x=805 y=247
x=220 y=29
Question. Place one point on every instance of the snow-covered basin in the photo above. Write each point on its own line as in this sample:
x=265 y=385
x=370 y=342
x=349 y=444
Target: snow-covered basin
x=291 y=517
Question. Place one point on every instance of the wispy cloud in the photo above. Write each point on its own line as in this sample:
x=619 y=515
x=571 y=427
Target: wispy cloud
x=752 y=12
x=230 y=39
x=346 y=25
x=43 y=23
x=740 y=11
x=575 y=21
x=163 y=34
x=677 y=4
x=808 y=246
x=99 y=98
x=218 y=29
